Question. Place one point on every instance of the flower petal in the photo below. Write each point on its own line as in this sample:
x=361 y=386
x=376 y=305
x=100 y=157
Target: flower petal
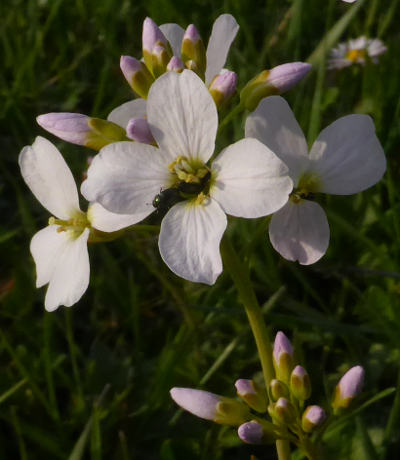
x=273 y=123
x=46 y=246
x=347 y=156
x=174 y=34
x=300 y=231
x=182 y=115
x=222 y=35
x=251 y=181
x=107 y=221
x=126 y=176
x=189 y=240
x=71 y=274
x=47 y=174
x=123 y=113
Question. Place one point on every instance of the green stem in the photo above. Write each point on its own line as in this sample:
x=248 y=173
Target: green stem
x=241 y=278
x=232 y=114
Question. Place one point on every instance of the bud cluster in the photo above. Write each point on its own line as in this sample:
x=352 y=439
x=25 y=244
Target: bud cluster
x=159 y=57
x=291 y=419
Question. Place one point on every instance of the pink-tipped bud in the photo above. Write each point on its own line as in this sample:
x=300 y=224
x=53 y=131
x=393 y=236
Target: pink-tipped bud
x=210 y=406
x=138 y=130
x=254 y=433
x=278 y=389
x=70 y=127
x=283 y=411
x=252 y=394
x=313 y=417
x=156 y=49
x=81 y=129
x=283 y=357
x=223 y=87
x=151 y=35
x=348 y=388
x=272 y=82
x=300 y=384
x=251 y=433
x=284 y=77
x=193 y=51
x=137 y=75
x=175 y=65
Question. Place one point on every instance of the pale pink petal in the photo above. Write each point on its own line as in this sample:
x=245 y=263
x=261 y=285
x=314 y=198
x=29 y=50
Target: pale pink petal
x=182 y=116
x=47 y=174
x=189 y=240
x=300 y=231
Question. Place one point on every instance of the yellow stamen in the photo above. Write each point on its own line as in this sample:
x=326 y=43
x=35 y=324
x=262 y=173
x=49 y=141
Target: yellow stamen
x=356 y=55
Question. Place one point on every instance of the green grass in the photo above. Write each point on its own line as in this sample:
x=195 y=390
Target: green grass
x=92 y=382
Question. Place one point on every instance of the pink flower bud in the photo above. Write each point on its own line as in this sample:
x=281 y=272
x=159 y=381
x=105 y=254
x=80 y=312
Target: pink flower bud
x=283 y=357
x=284 y=77
x=251 y=433
x=192 y=34
x=210 y=406
x=312 y=418
x=300 y=383
x=151 y=35
x=175 y=64
x=223 y=87
x=283 y=411
x=138 y=130
x=137 y=75
x=348 y=388
x=193 y=51
x=200 y=403
x=252 y=395
x=70 y=127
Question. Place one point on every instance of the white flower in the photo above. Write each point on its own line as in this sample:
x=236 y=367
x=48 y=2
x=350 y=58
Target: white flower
x=245 y=180
x=60 y=250
x=346 y=158
x=356 y=51
x=349 y=1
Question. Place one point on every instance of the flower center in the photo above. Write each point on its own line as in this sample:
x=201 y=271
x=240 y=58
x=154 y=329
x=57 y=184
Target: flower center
x=356 y=55
x=74 y=226
x=309 y=183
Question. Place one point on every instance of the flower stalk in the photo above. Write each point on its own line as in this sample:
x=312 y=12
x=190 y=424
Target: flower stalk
x=241 y=278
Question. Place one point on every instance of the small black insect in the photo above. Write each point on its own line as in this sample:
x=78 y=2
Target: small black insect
x=166 y=199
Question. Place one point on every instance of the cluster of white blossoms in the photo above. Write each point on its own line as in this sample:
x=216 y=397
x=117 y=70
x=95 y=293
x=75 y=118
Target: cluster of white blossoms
x=157 y=155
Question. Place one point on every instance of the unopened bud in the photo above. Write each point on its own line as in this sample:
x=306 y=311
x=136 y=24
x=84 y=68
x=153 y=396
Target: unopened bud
x=223 y=87
x=152 y=37
x=70 y=127
x=300 y=384
x=283 y=357
x=252 y=394
x=159 y=59
x=210 y=406
x=348 y=388
x=193 y=51
x=313 y=417
x=278 y=389
x=104 y=132
x=81 y=129
x=175 y=65
x=272 y=82
x=137 y=75
x=283 y=411
x=138 y=130
x=254 y=433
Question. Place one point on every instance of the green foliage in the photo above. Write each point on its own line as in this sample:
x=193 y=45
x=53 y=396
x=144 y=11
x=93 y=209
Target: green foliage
x=93 y=381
